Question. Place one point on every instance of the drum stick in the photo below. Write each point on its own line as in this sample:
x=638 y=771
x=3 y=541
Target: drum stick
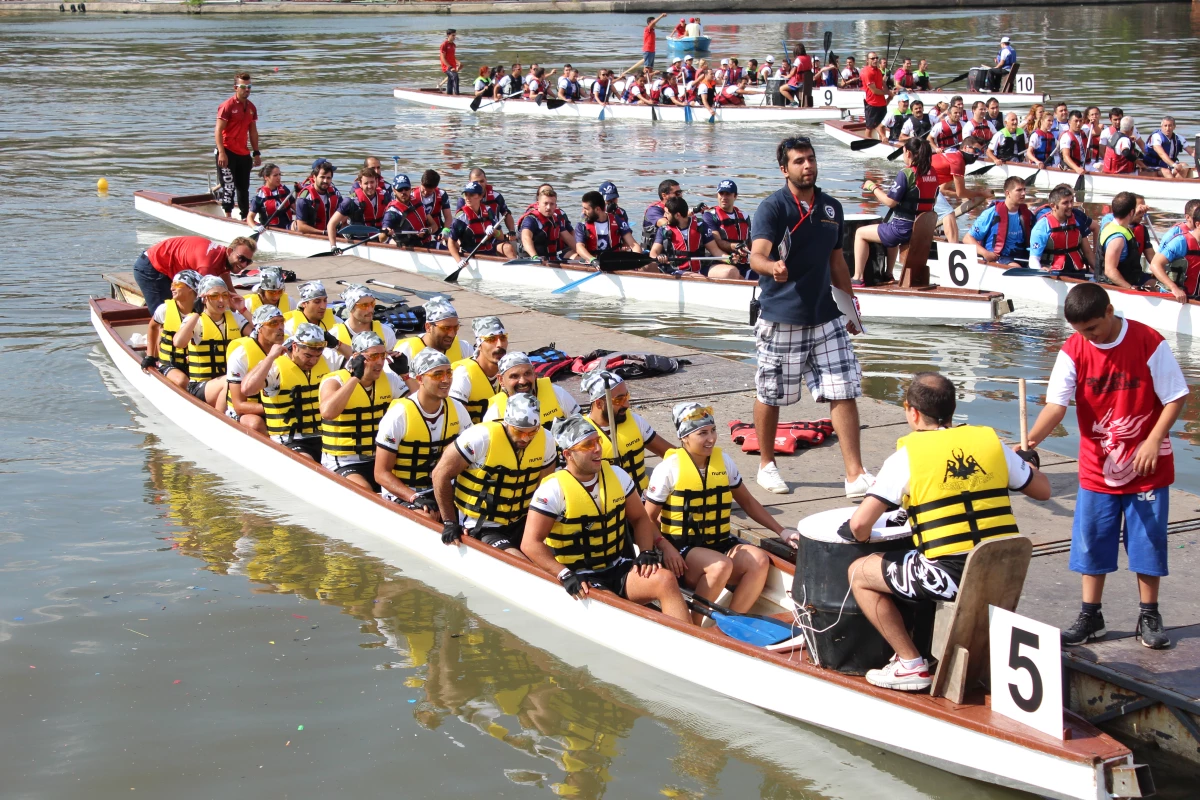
x=1023 y=413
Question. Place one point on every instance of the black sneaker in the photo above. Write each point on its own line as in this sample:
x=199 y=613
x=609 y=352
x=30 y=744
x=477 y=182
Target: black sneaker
x=1150 y=631
x=1087 y=628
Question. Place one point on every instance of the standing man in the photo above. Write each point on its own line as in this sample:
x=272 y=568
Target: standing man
x=450 y=64
x=158 y=265
x=876 y=99
x=650 y=40
x=800 y=335
x=237 y=122
x=1128 y=392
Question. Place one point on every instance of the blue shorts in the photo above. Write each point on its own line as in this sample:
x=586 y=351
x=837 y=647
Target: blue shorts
x=895 y=232
x=648 y=58
x=942 y=206
x=1100 y=521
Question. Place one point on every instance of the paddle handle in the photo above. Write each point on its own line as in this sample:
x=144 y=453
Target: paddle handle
x=1023 y=412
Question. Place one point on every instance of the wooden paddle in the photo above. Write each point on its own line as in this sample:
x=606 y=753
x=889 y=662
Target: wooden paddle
x=1022 y=413
x=487 y=234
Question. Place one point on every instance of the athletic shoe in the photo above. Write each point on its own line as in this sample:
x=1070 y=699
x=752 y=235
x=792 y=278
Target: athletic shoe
x=1150 y=631
x=1087 y=628
x=896 y=676
x=858 y=487
x=770 y=479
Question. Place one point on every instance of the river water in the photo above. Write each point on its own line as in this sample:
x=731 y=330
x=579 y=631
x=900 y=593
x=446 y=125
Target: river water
x=170 y=625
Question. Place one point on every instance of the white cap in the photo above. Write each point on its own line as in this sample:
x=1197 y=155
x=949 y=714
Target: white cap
x=688 y=57
x=1004 y=40
x=676 y=60
x=724 y=62
x=771 y=59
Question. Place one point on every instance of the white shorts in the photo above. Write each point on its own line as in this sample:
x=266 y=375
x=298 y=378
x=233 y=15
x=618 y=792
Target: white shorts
x=820 y=355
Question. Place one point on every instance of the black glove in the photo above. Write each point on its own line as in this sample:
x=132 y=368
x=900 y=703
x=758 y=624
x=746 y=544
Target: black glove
x=398 y=362
x=337 y=251
x=845 y=532
x=331 y=340
x=356 y=365
x=198 y=306
x=648 y=558
x=897 y=519
x=451 y=532
x=572 y=584
x=148 y=362
x=699 y=208
x=1030 y=457
x=425 y=500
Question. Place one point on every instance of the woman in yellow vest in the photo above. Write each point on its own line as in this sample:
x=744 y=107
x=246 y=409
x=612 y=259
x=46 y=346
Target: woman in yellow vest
x=634 y=434
x=206 y=334
x=473 y=377
x=165 y=321
x=690 y=498
x=954 y=483
x=249 y=361
x=580 y=527
x=289 y=397
x=515 y=375
x=269 y=291
x=441 y=333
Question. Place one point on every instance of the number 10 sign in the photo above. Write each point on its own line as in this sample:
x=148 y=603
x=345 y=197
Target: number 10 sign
x=1026 y=670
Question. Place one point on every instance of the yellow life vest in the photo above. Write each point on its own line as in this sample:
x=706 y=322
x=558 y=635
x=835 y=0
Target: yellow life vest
x=957 y=489
x=417 y=454
x=633 y=449
x=254 y=300
x=352 y=433
x=589 y=534
x=482 y=389
x=254 y=356
x=696 y=513
x=167 y=352
x=416 y=344
x=547 y=402
x=344 y=335
x=295 y=410
x=206 y=360
x=297 y=318
x=501 y=489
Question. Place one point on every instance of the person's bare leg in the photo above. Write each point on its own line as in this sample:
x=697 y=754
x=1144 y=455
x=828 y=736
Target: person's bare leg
x=253 y=422
x=707 y=573
x=844 y=414
x=873 y=596
x=862 y=250
x=179 y=378
x=950 y=228
x=766 y=422
x=660 y=586
x=750 y=568
x=359 y=480
x=1093 y=588
x=1147 y=588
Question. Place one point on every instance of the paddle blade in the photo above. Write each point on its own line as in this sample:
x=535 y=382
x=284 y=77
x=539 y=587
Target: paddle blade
x=752 y=630
x=983 y=170
x=863 y=144
x=1025 y=272
x=687 y=113
x=1031 y=178
x=573 y=284
x=892 y=156
x=828 y=42
x=475 y=103
x=357 y=232
x=323 y=255
x=621 y=260
x=553 y=104
x=962 y=77
x=601 y=117
x=1079 y=184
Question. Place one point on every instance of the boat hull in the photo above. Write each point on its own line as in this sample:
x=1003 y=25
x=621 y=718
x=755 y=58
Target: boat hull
x=854 y=100
x=684 y=44
x=995 y=750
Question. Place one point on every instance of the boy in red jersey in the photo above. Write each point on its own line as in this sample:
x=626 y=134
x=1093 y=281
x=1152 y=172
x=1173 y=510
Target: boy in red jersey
x=1128 y=391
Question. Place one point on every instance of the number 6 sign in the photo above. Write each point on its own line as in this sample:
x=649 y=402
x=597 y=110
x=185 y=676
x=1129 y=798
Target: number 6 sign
x=1026 y=670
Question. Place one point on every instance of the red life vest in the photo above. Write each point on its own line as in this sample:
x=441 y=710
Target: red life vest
x=546 y=240
x=947 y=136
x=612 y=240
x=1140 y=236
x=905 y=80
x=433 y=206
x=323 y=207
x=1066 y=244
x=735 y=226
x=476 y=226
x=1076 y=151
x=1119 y=163
x=921 y=194
x=271 y=200
x=686 y=244
x=1002 y=225
x=1091 y=147
x=724 y=99
x=372 y=208
x=412 y=218
x=732 y=76
x=656 y=91
x=491 y=203
x=535 y=87
x=1192 y=278
x=853 y=73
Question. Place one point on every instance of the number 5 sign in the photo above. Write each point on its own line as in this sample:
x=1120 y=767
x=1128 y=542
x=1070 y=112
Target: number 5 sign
x=1026 y=670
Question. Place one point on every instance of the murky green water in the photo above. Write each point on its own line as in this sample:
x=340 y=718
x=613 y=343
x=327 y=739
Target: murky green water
x=167 y=622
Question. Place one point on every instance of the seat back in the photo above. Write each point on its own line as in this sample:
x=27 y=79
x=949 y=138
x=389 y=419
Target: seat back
x=1010 y=81
x=916 y=259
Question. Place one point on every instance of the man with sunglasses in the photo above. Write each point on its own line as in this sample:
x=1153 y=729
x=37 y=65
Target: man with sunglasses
x=247 y=363
x=360 y=318
x=289 y=394
x=876 y=99
x=237 y=123
x=635 y=435
x=656 y=213
x=801 y=335
x=474 y=375
x=158 y=265
x=515 y=375
x=441 y=333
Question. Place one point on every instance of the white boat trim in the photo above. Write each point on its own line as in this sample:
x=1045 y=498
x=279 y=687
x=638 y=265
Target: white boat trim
x=728 y=299
x=991 y=748
x=590 y=110
x=854 y=100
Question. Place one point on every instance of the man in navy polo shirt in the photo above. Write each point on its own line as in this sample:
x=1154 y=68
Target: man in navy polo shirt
x=800 y=334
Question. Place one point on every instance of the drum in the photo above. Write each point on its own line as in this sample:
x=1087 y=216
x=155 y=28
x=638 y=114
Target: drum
x=977 y=79
x=823 y=558
x=777 y=98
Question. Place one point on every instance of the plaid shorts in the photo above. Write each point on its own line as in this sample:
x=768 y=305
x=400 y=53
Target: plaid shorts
x=820 y=354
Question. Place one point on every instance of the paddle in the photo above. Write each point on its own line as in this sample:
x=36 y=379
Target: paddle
x=1026 y=272
x=1030 y=179
x=487 y=234
x=888 y=56
x=554 y=103
x=607 y=261
x=863 y=144
x=892 y=156
x=382 y=297
x=420 y=294
x=687 y=112
x=1079 y=192
x=962 y=77
x=984 y=170
x=757 y=631
x=352 y=232
x=502 y=98
x=828 y=44
x=897 y=61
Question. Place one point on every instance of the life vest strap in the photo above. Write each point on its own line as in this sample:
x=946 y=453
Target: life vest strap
x=958 y=499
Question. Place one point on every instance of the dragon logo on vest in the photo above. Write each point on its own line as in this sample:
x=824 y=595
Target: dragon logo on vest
x=961 y=467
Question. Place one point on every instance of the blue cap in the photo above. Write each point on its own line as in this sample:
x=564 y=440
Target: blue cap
x=727 y=186
x=473 y=188
x=401 y=182
x=609 y=190
x=321 y=161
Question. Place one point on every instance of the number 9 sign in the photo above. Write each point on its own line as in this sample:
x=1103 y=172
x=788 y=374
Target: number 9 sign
x=827 y=95
x=1026 y=670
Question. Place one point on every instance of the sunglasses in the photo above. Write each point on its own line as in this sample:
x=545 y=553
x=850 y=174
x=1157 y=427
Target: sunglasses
x=621 y=402
x=314 y=349
x=273 y=322
x=243 y=260
x=373 y=358
x=217 y=295
x=448 y=328
x=493 y=337
x=697 y=414
x=243 y=86
x=365 y=305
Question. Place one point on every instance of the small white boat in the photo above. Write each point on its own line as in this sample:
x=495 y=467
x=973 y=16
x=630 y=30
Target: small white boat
x=198 y=214
x=683 y=44
x=967 y=739
x=591 y=110
x=854 y=100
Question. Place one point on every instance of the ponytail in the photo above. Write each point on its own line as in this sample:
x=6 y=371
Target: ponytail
x=922 y=155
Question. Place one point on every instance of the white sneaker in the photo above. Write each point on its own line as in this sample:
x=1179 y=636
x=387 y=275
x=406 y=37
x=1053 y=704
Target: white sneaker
x=770 y=479
x=896 y=676
x=858 y=487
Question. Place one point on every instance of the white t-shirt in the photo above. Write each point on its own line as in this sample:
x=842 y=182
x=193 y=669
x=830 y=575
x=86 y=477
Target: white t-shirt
x=473 y=444
x=550 y=500
x=1122 y=145
x=394 y=424
x=565 y=402
x=399 y=389
x=730 y=91
x=460 y=384
x=997 y=140
x=563 y=82
x=1169 y=383
x=198 y=333
x=662 y=479
x=1064 y=144
x=1106 y=135
x=635 y=91
x=468 y=349
x=530 y=79
x=237 y=366
x=505 y=84
x=764 y=72
x=847 y=75
x=891 y=482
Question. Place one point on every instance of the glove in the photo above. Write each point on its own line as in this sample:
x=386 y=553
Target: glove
x=398 y=362
x=356 y=365
x=897 y=519
x=572 y=584
x=425 y=500
x=337 y=251
x=148 y=362
x=451 y=532
x=198 y=306
x=331 y=340
x=1030 y=457
x=847 y=534
x=648 y=558
x=699 y=208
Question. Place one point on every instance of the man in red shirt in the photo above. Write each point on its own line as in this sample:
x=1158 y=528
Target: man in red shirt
x=237 y=124
x=1128 y=392
x=876 y=100
x=450 y=63
x=156 y=266
x=650 y=40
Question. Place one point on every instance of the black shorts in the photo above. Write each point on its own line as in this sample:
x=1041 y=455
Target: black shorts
x=610 y=578
x=504 y=538
x=873 y=116
x=366 y=469
x=722 y=547
x=164 y=367
x=196 y=389
x=310 y=446
x=913 y=577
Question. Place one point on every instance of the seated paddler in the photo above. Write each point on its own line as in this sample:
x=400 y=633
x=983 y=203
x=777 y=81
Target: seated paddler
x=635 y=435
x=581 y=519
x=515 y=375
x=954 y=483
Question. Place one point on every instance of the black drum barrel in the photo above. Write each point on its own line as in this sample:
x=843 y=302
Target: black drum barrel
x=777 y=98
x=977 y=79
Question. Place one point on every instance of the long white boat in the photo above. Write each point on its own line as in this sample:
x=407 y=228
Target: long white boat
x=1097 y=185
x=592 y=111
x=958 y=265
x=727 y=298
x=967 y=739
x=854 y=100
